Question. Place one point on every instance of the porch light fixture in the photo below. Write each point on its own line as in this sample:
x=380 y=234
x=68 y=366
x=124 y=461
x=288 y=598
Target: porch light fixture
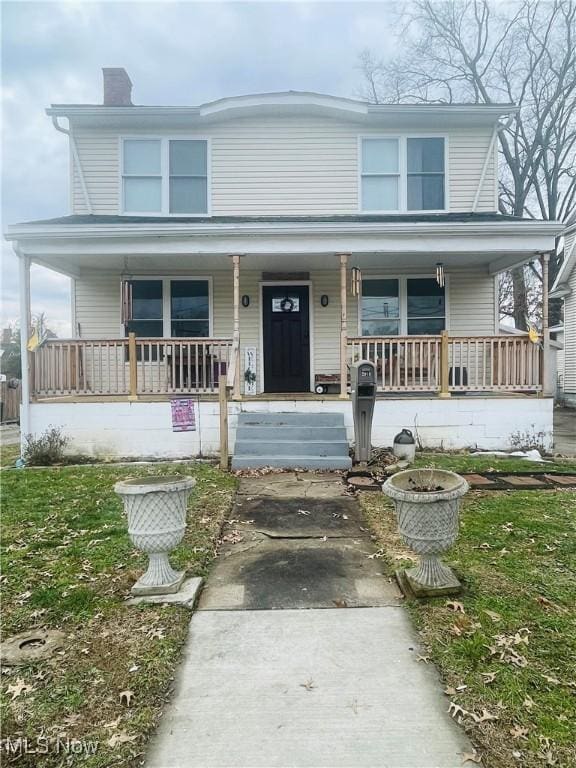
x=245 y=300
x=356 y=281
x=440 y=274
x=324 y=300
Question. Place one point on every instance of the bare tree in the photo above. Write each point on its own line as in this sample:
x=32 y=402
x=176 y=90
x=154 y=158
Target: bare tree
x=522 y=52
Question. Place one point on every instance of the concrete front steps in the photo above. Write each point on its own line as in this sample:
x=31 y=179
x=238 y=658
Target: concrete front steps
x=291 y=441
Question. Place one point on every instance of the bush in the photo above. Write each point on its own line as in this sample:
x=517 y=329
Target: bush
x=46 y=449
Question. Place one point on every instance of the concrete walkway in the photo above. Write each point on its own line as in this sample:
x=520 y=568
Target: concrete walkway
x=300 y=653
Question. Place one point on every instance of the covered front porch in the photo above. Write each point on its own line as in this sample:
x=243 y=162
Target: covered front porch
x=282 y=309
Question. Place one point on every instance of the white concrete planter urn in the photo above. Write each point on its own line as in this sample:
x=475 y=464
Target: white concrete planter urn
x=156 y=511
x=427 y=505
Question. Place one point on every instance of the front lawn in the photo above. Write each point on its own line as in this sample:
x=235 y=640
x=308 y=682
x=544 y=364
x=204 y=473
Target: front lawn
x=67 y=563
x=465 y=462
x=506 y=649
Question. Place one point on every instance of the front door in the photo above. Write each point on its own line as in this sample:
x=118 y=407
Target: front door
x=286 y=336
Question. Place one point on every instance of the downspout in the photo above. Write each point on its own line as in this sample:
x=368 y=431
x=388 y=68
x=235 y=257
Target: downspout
x=497 y=129
x=77 y=163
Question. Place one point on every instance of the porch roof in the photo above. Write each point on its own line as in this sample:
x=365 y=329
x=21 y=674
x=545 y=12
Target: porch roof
x=487 y=241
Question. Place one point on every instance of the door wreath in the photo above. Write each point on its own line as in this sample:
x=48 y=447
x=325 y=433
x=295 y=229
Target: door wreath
x=287 y=304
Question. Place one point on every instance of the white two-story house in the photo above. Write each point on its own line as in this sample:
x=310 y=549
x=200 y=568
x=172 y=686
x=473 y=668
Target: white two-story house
x=267 y=242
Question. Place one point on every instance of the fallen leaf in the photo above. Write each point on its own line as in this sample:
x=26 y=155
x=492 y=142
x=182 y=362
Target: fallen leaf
x=126 y=697
x=340 y=603
x=528 y=702
x=19 y=687
x=457 y=712
x=455 y=606
x=488 y=677
x=309 y=685
x=120 y=738
x=553 y=680
x=455 y=630
x=474 y=757
x=519 y=732
x=450 y=691
x=425 y=659
x=484 y=717
x=493 y=615
x=114 y=723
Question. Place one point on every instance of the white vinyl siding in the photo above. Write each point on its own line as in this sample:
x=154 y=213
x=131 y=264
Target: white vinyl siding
x=570 y=337
x=285 y=166
x=467 y=152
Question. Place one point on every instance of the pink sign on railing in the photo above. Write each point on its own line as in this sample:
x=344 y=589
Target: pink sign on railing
x=183 y=415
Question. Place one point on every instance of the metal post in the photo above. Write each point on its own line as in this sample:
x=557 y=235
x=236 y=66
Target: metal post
x=25 y=325
x=343 y=327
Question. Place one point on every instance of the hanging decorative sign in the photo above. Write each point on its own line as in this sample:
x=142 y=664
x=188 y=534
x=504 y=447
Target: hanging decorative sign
x=183 y=415
x=286 y=304
x=250 y=371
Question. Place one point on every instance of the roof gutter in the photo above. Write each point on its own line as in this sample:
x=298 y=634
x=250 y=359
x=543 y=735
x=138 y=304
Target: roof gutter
x=64 y=231
x=77 y=163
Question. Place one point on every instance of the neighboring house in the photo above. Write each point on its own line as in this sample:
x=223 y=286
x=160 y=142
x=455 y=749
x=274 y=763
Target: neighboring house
x=274 y=239
x=565 y=287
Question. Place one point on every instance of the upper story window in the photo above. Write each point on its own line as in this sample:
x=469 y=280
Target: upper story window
x=165 y=176
x=403 y=174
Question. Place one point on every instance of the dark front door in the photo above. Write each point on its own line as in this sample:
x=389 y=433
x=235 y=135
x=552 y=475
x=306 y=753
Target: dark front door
x=286 y=335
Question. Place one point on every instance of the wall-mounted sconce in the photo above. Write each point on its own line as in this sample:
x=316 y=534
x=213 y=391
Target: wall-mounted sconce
x=245 y=300
x=440 y=274
x=324 y=300
x=356 y=285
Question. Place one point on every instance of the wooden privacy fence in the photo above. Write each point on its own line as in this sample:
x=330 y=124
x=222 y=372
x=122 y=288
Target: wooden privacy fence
x=10 y=398
x=447 y=364
x=130 y=366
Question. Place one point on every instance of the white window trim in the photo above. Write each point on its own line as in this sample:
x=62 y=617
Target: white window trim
x=403 y=172
x=165 y=174
x=166 y=317
x=403 y=299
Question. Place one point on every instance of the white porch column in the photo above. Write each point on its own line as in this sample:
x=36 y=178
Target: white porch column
x=546 y=386
x=343 y=327
x=236 y=334
x=25 y=324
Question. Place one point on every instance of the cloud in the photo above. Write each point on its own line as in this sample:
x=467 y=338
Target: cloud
x=176 y=53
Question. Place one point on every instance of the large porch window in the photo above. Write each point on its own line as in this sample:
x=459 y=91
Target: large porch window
x=402 y=306
x=169 y=308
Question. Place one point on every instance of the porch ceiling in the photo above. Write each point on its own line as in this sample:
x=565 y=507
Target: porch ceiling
x=161 y=263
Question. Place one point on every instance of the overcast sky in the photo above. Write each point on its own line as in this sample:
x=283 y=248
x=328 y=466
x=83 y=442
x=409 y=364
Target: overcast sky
x=175 y=53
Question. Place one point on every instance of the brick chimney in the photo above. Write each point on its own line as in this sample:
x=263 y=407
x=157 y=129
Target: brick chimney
x=117 y=87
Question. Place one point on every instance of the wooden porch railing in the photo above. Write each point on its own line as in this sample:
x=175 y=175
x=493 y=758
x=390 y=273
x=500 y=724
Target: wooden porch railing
x=446 y=364
x=131 y=366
